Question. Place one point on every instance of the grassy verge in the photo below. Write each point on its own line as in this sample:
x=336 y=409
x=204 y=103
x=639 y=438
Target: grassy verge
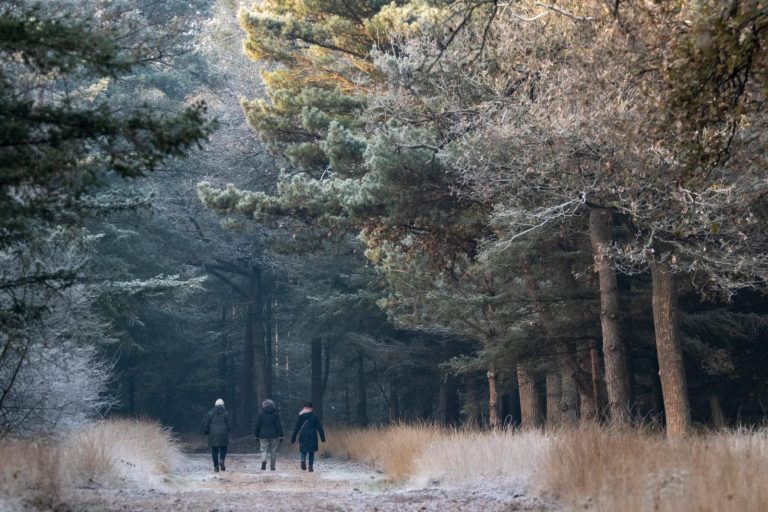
x=587 y=468
x=629 y=470
x=122 y=453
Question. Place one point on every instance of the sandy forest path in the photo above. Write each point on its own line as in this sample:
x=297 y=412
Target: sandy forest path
x=334 y=486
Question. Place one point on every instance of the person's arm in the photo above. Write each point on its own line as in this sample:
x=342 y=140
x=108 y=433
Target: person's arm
x=296 y=429
x=320 y=430
x=206 y=426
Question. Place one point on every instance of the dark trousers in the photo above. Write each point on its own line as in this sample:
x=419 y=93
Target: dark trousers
x=311 y=457
x=218 y=452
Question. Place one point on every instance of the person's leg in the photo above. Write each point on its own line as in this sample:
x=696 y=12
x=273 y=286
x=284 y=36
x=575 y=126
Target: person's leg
x=222 y=456
x=311 y=461
x=215 y=457
x=264 y=448
x=273 y=444
x=303 y=460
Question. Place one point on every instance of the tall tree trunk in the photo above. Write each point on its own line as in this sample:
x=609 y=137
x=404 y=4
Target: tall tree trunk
x=554 y=399
x=326 y=366
x=347 y=404
x=223 y=365
x=259 y=348
x=628 y=314
x=570 y=360
x=670 y=350
x=716 y=411
x=131 y=394
x=394 y=400
x=656 y=398
x=614 y=351
x=493 y=400
x=530 y=404
x=269 y=339
x=471 y=410
x=447 y=412
x=570 y=400
x=317 y=376
x=442 y=402
x=247 y=381
x=362 y=390
x=632 y=384
x=587 y=406
x=594 y=358
x=514 y=415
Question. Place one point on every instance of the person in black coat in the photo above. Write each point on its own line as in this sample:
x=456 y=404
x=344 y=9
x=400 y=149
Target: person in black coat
x=269 y=430
x=307 y=428
x=216 y=426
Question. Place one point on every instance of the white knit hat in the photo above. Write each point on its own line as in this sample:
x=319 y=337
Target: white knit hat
x=219 y=402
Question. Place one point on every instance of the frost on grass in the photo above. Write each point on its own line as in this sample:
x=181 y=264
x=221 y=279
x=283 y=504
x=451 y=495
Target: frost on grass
x=586 y=468
x=507 y=458
x=122 y=454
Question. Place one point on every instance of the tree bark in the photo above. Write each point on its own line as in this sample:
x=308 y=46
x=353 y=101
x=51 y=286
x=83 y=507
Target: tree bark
x=347 y=405
x=471 y=410
x=269 y=339
x=514 y=417
x=259 y=349
x=530 y=405
x=716 y=411
x=670 y=351
x=442 y=402
x=493 y=400
x=614 y=350
x=131 y=395
x=362 y=390
x=554 y=399
x=656 y=398
x=570 y=360
x=594 y=358
x=447 y=408
x=394 y=400
x=248 y=381
x=316 y=379
x=570 y=401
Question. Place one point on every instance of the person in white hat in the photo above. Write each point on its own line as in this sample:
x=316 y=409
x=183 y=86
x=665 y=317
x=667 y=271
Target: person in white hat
x=216 y=426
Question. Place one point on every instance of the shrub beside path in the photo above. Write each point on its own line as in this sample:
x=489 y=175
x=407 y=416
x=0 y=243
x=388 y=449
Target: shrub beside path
x=335 y=485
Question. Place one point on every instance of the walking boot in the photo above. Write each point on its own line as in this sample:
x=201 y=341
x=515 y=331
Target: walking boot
x=263 y=466
x=311 y=469
x=215 y=469
x=303 y=466
x=223 y=467
x=271 y=467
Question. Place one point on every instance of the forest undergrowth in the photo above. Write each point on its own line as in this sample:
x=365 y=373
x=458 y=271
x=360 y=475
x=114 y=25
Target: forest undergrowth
x=119 y=453
x=586 y=468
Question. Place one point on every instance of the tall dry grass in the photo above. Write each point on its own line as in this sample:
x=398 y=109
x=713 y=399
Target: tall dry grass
x=124 y=453
x=426 y=453
x=595 y=469
x=587 y=468
x=465 y=457
x=112 y=452
x=392 y=449
x=30 y=473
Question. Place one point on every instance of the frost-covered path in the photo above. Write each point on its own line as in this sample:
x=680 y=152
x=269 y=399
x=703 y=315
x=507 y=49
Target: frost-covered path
x=335 y=486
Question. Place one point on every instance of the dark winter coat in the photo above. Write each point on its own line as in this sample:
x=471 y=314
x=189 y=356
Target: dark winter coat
x=268 y=424
x=307 y=428
x=216 y=426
